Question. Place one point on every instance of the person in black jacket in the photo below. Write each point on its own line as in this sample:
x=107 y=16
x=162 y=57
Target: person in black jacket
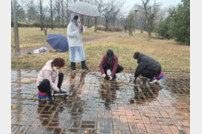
x=147 y=67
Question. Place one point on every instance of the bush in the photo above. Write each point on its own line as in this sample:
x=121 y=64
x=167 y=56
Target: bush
x=177 y=25
x=163 y=29
x=22 y=24
x=111 y=29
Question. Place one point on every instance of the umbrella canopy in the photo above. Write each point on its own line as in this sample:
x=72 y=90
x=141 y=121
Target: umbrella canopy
x=58 y=42
x=84 y=8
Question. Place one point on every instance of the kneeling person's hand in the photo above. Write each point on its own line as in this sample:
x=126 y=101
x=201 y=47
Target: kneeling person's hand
x=135 y=79
x=104 y=75
x=110 y=78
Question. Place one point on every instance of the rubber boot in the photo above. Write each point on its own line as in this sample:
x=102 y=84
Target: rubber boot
x=83 y=64
x=73 y=66
x=50 y=98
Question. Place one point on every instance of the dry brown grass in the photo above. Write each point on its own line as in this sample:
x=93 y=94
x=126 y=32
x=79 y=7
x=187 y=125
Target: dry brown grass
x=31 y=37
x=172 y=56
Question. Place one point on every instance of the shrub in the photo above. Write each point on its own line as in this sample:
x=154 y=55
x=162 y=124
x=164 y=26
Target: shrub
x=111 y=29
x=22 y=24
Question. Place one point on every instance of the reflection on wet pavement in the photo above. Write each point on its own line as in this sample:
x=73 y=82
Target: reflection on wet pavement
x=98 y=106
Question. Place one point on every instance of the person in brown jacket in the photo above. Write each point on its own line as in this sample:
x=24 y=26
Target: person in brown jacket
x=49 y=80
x=110 y=62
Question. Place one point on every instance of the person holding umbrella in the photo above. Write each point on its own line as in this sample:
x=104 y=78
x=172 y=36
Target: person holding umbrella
x=74 y=35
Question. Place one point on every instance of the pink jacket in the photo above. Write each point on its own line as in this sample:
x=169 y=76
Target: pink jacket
x=47 y=72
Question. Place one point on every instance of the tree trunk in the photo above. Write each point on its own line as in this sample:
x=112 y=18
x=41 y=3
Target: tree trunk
x=51 y=15
x=82 y=19
x=16 y=37
x=88 y=22
x=45 y=31
x=41 y=14
x=62 y=2
x=114 y=25
x=67 y=12
x=106 y=23
x=95 y=29
x=141 y=25
x=149 y=35
x=58 y=10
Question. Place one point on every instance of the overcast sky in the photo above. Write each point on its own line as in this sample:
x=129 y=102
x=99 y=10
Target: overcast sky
x=164 y=3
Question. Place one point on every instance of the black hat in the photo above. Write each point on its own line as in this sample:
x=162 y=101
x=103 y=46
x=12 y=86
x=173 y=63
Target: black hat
x=76 y=17
x=110 y=54
x=136 y=54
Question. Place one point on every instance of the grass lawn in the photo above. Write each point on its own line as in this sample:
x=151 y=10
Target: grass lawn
x=172 y=56
x=31 y=37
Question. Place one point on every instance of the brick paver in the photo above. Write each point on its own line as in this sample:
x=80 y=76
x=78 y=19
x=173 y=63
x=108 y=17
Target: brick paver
x=98 y=106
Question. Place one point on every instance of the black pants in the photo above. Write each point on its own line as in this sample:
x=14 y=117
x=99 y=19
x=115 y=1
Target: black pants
x=150 y=73
x=107 y=66
x=45 y=87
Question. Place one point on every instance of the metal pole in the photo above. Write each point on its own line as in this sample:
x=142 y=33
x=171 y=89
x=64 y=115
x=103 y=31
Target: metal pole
x=17 y=50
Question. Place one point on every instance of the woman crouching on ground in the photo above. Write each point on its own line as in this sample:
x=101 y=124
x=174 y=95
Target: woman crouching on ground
x=49 y=80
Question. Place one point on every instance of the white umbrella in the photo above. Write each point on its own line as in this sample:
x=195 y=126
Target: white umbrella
x=84 y=8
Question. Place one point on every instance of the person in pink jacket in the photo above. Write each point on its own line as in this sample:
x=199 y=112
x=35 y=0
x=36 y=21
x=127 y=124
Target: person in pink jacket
x=49 y=80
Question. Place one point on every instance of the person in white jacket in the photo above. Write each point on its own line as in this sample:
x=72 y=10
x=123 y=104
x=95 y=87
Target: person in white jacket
x=74 y=35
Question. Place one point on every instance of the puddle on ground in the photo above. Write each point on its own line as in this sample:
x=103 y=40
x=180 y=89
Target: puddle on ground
x=98 y=106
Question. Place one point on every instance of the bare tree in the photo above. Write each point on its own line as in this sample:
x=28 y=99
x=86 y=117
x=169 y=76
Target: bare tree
x=111 y=11
x=46 y=19
x=62 y=12
x=100 y=5
x=51 y=13
x=116 y=13
x=130 y=22
x=150 y=12
x=67 y=13
x=41 y=13
x=20 y=12
x=30 y=8
x=58 y=10
x=17 y=50
x=107 y=12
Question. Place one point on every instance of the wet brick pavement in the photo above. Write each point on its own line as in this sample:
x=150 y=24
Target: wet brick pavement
x=102 y=107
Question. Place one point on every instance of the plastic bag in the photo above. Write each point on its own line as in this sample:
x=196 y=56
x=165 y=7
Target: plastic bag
x=40 y=50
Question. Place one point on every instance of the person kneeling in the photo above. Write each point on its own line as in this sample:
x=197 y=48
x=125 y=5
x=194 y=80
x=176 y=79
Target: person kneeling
x=49 y=81
x=109 y=63
x=147 y=67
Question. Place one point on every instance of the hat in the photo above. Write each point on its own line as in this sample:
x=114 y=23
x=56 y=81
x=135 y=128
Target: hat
x=110 y=54
x=76 y=17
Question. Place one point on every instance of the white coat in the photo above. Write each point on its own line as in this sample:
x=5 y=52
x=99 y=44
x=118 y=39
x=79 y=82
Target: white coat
x=76 y=52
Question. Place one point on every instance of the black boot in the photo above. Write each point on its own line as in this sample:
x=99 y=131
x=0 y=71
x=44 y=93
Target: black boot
x=83 y=64
x=73 y=66
x=50 y=98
